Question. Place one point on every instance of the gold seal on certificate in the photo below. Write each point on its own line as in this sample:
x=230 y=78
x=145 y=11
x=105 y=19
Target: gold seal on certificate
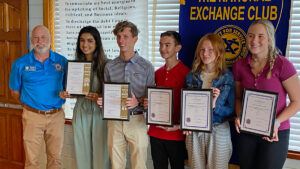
x=258 y=112
x=114 y=101
x=79 y=77
x=160 y=106
x=196 y=109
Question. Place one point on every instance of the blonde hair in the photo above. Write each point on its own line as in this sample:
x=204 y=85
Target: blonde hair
x=219 y=49
x=273 y=50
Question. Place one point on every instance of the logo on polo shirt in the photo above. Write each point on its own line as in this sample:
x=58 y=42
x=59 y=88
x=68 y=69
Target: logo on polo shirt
x=58 y=67
x=30 y=68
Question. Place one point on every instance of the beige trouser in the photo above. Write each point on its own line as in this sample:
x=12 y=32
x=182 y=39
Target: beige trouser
x=38 y=127
x=122 y=133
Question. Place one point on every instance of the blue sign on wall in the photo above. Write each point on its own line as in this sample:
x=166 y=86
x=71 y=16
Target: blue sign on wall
x=230 y=19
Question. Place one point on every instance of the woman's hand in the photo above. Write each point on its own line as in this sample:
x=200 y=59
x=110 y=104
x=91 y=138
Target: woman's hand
x=187 y=132
x=99 y=102
x=64 y=95
x=237 y=124
x=216 y=93
x=92 y=96
x=275 y=135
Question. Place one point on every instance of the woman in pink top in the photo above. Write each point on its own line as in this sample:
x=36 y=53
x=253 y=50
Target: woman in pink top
x=265 y=69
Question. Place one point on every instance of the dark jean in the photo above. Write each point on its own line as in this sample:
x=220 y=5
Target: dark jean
x=256 y=153
x=164 y=150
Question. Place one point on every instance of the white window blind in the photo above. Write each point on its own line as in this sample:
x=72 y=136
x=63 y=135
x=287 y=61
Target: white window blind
x=163 y=15
x=293 y=54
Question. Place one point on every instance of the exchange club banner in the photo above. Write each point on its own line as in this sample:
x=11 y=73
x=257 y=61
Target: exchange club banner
x=230 y=19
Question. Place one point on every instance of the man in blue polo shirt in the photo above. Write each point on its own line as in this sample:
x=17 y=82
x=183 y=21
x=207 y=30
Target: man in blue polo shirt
x=35 y=81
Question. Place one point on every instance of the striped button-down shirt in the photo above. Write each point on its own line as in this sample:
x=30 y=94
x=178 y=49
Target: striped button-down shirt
x=137 y=71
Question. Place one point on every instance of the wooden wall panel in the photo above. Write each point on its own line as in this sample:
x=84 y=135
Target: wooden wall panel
x=1 y=15
x=16 y=140
x=13 y=39
x=13 y=44
x=14 y=51
x=15 y=3
x=2 y=69
x=11 y=147
x=14 y=18
x=3 y=136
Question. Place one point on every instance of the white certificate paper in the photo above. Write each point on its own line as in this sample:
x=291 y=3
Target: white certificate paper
x=160 y=106
x=78 y=77
x=258 y=112
x=114 y=101
x=196 y=109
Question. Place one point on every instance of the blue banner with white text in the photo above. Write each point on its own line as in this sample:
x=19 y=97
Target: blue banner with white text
x=230 y=19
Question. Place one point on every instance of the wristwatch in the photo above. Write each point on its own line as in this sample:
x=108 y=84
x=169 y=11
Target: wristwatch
x=277 y=123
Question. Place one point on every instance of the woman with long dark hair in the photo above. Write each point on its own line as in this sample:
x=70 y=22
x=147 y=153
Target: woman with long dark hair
x=90 y=131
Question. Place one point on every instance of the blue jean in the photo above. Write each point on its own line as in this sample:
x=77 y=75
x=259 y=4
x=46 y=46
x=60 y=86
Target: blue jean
x=254 y=152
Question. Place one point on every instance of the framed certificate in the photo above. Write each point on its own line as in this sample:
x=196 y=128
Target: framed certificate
x=114 y=101
x=79 y=77
x=258 y=112
x=160 y=106
x=196 y=109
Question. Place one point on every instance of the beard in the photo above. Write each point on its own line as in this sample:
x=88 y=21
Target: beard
x=42 y=50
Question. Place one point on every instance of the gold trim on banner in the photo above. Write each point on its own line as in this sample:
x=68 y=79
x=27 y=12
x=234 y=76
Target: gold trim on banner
x=48 y=16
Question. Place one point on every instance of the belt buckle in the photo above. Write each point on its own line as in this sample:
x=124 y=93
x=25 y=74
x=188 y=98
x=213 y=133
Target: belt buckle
x=47 y=112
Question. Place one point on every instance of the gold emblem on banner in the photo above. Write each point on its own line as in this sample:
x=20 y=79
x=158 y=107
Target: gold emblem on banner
x=235 y=42
x=124 y=96
x=86 y=78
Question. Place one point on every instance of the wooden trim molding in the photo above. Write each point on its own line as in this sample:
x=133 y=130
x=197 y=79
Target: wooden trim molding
x=68 y=121
x=48 y=16
x=293 y=155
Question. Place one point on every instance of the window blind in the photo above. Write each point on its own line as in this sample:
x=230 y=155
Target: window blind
x=293 y=54
x=163 y=15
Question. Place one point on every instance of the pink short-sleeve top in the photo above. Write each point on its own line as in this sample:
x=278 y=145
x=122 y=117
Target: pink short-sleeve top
x=282 y=70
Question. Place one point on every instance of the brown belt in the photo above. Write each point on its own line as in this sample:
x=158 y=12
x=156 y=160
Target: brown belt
x=44 y=112
x=136 y=112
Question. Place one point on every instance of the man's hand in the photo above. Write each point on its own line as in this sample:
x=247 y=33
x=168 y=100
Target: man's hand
x=64 y=95
x=16 y=95
x=174 y=128
x=131 y=102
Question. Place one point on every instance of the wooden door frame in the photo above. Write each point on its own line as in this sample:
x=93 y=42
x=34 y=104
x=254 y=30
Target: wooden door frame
x=48 y=17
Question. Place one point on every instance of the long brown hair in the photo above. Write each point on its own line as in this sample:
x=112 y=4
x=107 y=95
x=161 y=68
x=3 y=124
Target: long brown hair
x=219 y=49
x=99 y=57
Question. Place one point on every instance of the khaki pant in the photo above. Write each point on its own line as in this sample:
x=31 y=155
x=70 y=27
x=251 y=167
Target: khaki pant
x=38 y=128
x=122 y=133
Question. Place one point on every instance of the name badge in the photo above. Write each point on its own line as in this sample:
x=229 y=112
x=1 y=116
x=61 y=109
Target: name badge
x=30 y=68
